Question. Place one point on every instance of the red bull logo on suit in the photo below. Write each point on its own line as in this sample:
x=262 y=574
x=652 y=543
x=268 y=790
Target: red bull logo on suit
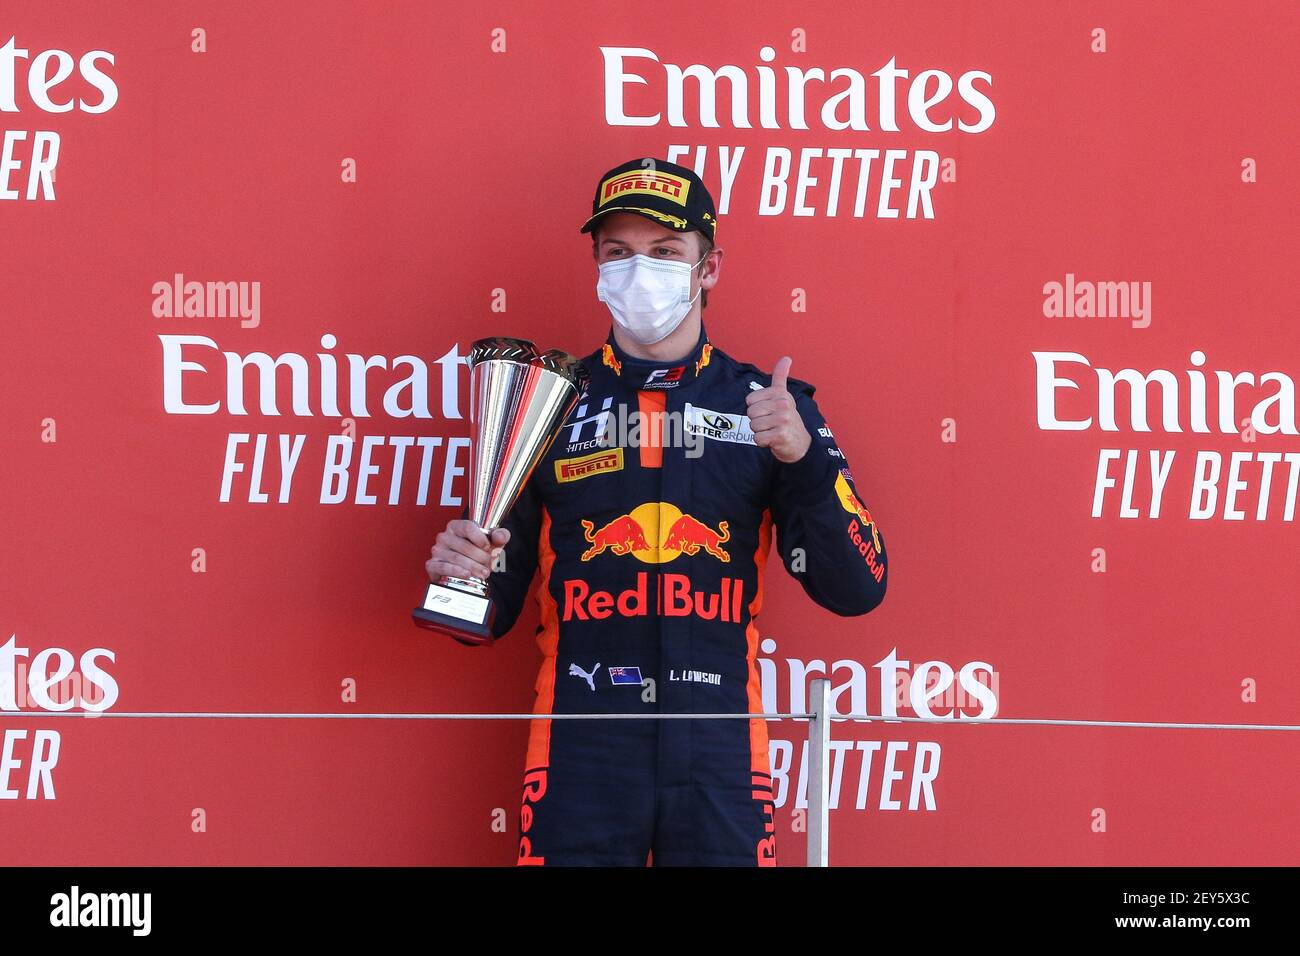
x=849 y=501
x=656 y=532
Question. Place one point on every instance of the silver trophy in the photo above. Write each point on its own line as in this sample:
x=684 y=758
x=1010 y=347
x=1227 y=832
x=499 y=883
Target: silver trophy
x=519 y=398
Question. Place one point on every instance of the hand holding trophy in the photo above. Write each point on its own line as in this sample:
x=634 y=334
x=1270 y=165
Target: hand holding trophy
x=519 y=398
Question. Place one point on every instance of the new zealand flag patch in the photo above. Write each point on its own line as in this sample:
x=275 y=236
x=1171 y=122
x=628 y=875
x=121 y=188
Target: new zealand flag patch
x=625 y=675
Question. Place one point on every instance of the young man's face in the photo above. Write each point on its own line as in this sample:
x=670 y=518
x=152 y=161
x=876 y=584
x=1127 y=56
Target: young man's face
x=621 y=235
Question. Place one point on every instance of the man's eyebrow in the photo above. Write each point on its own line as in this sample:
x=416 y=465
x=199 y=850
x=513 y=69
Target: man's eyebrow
x=624 y=242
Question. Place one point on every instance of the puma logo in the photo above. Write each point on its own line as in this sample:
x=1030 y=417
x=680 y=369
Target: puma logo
x=576 y=671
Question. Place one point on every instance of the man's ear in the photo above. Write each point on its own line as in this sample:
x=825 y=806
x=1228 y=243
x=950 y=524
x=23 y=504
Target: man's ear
x=717 y=268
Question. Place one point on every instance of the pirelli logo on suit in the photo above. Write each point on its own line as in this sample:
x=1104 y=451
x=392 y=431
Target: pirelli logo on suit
x=575 y=469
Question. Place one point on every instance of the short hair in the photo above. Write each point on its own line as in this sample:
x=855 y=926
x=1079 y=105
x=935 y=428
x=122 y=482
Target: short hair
x=704 y=243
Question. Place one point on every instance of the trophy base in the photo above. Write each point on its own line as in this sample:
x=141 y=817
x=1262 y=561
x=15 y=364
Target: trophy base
x=463 y=615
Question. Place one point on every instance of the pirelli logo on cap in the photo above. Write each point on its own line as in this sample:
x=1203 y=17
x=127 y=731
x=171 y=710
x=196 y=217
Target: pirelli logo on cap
x=645 y=181
x=573 y=469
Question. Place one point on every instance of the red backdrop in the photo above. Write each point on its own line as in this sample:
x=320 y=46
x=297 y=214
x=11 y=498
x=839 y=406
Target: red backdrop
x=407 y=177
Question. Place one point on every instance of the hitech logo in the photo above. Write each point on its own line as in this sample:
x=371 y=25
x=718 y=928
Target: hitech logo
x=656 y=532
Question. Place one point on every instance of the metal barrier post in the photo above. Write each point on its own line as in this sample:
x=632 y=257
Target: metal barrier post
x=819 y=781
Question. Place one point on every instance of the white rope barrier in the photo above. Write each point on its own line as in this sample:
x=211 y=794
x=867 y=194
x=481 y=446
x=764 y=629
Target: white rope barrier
x=838 y=718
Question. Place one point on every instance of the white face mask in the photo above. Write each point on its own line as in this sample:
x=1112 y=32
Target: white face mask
x=648 y=297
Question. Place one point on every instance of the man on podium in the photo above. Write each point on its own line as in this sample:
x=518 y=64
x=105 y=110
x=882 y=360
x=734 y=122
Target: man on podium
x=650 y=520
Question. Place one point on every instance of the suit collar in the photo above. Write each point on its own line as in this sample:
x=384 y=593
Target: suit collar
x=654 y=375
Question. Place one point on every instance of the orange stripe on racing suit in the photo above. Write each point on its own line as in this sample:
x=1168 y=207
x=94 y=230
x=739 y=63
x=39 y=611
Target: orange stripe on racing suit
x=538 y=758
x=651 y=405
x=760 y=768
x=539 y=735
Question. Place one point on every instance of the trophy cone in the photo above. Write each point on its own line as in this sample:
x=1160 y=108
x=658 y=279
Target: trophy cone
x=519 y=398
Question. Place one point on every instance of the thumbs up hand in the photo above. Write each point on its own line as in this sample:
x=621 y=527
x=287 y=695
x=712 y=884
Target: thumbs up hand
x=776 y=422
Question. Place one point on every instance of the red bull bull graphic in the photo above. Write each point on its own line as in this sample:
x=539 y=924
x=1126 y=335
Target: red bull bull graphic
x=656 y=532
x=850 y=503
x=687 y=536
x=608 y=357
x=706 y=353
x=623 y=535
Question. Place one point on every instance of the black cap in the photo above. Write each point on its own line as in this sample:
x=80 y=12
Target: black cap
x=663 y=192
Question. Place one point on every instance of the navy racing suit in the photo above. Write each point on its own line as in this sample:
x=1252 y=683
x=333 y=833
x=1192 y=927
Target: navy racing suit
x=651 y=547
